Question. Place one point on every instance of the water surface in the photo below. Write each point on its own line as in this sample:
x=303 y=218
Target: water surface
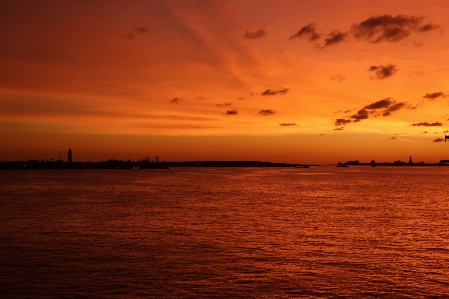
x=323 y=232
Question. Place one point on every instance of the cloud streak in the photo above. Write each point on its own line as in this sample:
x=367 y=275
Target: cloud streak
x=267 y=112
x=308 y=31
x=426 y=124
x=258 y=34
x=434 y=95
x=287 y=124
x=270 y=92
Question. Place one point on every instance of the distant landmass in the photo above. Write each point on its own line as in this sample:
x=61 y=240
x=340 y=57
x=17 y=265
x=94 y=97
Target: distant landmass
x=145 y=164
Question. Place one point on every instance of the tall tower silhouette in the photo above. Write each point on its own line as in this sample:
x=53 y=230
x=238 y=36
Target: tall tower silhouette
x=69 y=158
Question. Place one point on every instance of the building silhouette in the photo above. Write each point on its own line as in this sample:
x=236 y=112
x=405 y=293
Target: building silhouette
x=69 y=156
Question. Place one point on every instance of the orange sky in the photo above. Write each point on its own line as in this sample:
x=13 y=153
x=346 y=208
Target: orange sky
x=281 y=81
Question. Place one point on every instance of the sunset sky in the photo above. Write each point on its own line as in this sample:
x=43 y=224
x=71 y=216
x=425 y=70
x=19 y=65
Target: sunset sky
x=281 y=81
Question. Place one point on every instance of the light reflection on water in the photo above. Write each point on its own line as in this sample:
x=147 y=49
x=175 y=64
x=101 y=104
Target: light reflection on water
x=321 y=232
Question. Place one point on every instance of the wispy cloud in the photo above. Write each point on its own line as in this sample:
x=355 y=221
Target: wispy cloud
x=426 y=124
x=270 y=92
x=267 y=112
x=383 y=71
x=232 y=112
x=335 y=37
x=258 y=34
x=141 y=29
x=439 y=140
x=432 y=96
x=338 y=78
x=223 y=105
x=339 y=129
x=307 y=31
x=342 y=121
x=175 y=101
x=287 y=124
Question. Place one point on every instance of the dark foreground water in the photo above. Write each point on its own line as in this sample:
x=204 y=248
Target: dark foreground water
x=322 y=232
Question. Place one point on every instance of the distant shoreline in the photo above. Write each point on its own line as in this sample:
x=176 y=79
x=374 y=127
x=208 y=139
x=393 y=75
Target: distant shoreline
x=118 y=164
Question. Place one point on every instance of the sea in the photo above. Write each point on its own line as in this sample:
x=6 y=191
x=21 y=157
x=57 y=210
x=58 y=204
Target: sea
x=319 y=232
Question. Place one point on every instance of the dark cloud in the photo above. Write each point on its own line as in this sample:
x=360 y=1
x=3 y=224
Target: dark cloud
x=240 y=98
x=270 y=92
x=361 y=114
x=394 y=107
x=141 y=29
x=426 y=124
x=223 y=105
x=308 y=31
x=432 y=96
x=379 y=104
x=339 y=129
x=201 y=98
x=342 y=121
x=130 y=36
x=267 y=112
x=380 y=108
x=334 y=38
x=447 y=131
x=232 y=112
x=175 y=101
x=439 y=140
x=389 y=28
x=287 y=124
x=428 y=27
x=384 y=28
x=383 y=71
x=255 y=34
x=393 y=138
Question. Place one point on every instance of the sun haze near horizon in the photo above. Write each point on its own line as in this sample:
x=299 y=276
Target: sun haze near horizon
x=281 y=81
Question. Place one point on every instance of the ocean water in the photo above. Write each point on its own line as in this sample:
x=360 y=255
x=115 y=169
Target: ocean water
x=323 y=232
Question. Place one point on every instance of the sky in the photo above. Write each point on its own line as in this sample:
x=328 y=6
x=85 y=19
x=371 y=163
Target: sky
x=281 y=81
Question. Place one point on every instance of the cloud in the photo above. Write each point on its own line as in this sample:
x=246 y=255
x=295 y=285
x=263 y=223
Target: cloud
x=201 y=98
x=287 y=124
x=389 y=28
x=393 y=138
x=339 y=129
x=342 y=121
x=232 y=112
x=361 y=114
x=428 y=27
x=141 y=29
x=338 y=78
x=334 y=38
x=175 y=101
x=432 y=96
x=384 y=28
x=426 y=124
x=308 y=31
x=380 y=104
x=255 y=34
x=380 y=108
x=270 y=92
x=267 y=112
x=439 y=140
x=382 y=71
x=224 y=104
